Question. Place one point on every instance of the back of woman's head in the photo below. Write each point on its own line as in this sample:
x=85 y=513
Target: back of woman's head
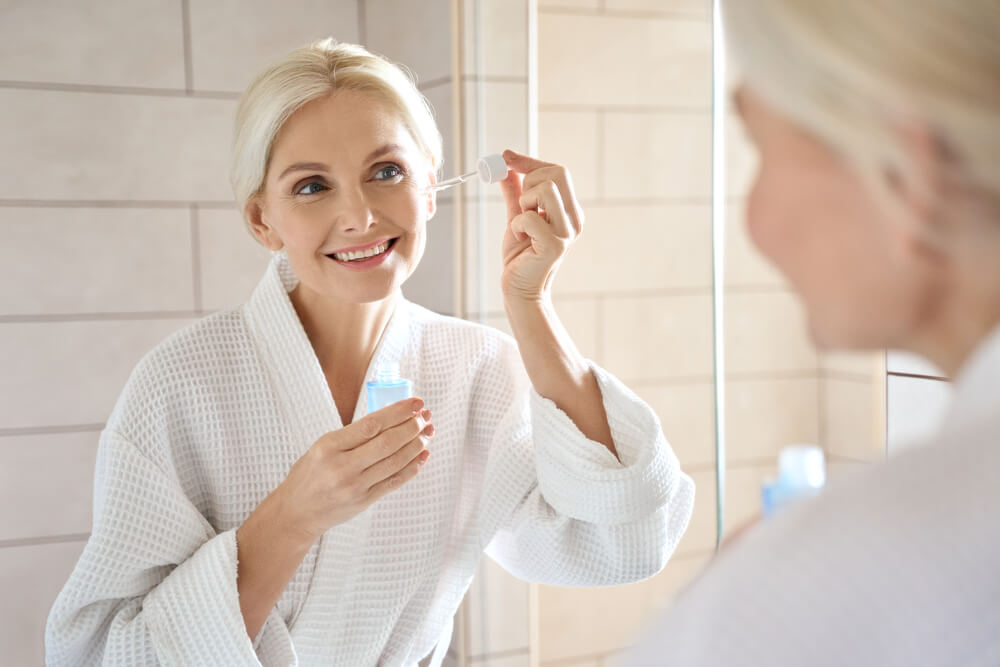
x=860 y=73
x=308 y=73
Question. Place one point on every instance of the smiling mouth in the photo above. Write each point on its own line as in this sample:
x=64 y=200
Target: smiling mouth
x=362 y=255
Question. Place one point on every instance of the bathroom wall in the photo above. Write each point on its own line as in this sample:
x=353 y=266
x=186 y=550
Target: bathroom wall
x=624 y=101
x=119 y=226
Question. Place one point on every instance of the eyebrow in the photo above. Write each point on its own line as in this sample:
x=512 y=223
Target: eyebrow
x=319 y=166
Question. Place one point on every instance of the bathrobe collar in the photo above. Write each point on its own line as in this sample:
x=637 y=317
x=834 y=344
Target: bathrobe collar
x=291 y=360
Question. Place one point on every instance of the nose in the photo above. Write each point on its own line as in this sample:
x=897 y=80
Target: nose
x=355 y=214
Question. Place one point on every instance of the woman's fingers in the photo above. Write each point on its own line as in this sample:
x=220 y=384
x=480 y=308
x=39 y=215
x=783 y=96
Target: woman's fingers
x=511 y=188
x=546 y=197
x=371 y=425
x=397 y=480
x=537 y=172
x=533 y=227
x=398 y=460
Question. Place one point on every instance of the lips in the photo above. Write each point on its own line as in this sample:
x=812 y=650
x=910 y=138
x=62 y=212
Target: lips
x=362 y=253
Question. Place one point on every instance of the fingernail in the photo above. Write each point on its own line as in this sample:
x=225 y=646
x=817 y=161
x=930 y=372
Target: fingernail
x=417 y=405
x=426 y=414
x=422 y=458
x=429 y=430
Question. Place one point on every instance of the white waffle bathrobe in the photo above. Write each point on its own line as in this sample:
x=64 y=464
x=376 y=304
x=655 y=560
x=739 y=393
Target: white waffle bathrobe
x=213 y=418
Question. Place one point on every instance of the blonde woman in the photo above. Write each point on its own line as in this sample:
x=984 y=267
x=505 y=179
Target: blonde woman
x=878 y=196
x=249 y=511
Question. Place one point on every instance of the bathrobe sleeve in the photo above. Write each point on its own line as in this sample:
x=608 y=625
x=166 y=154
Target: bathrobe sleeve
x=586 y=518
x=155 y=583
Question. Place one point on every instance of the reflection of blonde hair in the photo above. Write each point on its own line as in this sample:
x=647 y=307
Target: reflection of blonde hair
x=308 y=73
x=851 y=70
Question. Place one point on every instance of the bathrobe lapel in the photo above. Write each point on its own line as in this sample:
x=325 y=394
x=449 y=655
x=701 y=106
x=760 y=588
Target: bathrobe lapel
x=301 y=385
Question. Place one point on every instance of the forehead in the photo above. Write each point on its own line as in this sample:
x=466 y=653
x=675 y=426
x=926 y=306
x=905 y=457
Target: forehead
x=346 y=124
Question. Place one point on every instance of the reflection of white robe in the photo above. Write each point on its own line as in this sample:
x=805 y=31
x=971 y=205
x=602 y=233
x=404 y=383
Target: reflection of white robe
x=213 y=418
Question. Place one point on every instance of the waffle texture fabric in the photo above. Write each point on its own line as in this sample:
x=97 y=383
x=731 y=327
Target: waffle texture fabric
x=895 y=565
x=212 y=420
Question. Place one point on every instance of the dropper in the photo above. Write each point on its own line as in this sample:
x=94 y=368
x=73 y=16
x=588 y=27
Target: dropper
x=490 y=169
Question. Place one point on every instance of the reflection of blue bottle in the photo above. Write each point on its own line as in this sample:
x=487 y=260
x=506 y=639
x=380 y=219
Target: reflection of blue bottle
x=388 y=387
x=801 y=474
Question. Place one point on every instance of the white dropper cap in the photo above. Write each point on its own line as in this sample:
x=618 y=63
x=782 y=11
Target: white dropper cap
x=492 y=168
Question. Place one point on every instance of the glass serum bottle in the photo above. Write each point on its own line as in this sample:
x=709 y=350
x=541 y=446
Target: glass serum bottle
x=387 y=387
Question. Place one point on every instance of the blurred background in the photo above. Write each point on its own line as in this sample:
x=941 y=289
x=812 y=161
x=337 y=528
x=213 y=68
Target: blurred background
x=117 y=227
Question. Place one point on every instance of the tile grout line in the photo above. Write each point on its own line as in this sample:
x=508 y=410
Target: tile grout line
x=188 y=62
x=49 y=539
x=113 y=203
x=118 y=90
x=104 y=317
x=9 y=432
x=196 y=258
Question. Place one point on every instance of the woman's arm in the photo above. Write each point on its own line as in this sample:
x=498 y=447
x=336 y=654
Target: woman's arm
x=544 y=218
x=557 y=369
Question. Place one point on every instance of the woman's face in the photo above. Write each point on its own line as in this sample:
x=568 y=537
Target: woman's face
x=345 y=196
x=863 y=281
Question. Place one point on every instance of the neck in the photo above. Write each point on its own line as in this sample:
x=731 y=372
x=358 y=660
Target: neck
x=343 y=335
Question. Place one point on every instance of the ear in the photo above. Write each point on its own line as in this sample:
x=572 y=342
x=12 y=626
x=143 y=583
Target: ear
x=921 y=193
x=259 y=225
x=431 y=196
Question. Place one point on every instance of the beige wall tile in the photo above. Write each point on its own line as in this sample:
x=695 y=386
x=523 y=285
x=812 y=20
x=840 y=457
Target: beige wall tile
x=743 y=495
x=700 y=535
x=915 y=409
x=416 y=34
x=742 y=159
x=568 y=4
x=497 y=322
x=569 y=138
x=695 y=8
x=103 y=146
x=762 y=416
x=839 y=471
x=745 y=265
x=71 y=372
x=496 y=36
x=658 y=337
x=579 y=622
x=505 y=114
x=862 y=365
x=522 y=659
x=31 y=578
x=498 y=611
x=581 y=319
x=657 y=155
x=678 y=573
x=46 y=484
x=854 y=419
x=231 y=41
x=675 y=56
x=91 y=260
x=766 y=333
x=484 y=231
x=911 y=364
x=639 y=248
x=112 y=43
x=687 y=413
x=432 y=285
x=232 y=262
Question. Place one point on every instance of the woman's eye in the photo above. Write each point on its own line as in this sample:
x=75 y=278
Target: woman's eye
x=388 y=172
x=311 y=188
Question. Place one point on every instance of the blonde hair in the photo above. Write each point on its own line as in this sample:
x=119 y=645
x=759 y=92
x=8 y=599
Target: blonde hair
x=308 y=73
x=851 y=70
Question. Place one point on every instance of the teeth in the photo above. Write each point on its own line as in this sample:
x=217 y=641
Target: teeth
x=354 y=255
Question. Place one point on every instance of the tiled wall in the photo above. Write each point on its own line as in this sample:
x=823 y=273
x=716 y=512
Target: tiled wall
x=119 y=226
x=625 y=103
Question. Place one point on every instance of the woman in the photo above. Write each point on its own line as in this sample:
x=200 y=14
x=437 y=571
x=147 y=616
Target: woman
x=878 y=196
x=248 y=511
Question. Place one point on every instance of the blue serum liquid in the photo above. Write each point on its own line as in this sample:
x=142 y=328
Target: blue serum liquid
x=388 y=387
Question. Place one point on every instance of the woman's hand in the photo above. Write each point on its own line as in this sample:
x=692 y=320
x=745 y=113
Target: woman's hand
x=543 y=219
x=347 y=470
